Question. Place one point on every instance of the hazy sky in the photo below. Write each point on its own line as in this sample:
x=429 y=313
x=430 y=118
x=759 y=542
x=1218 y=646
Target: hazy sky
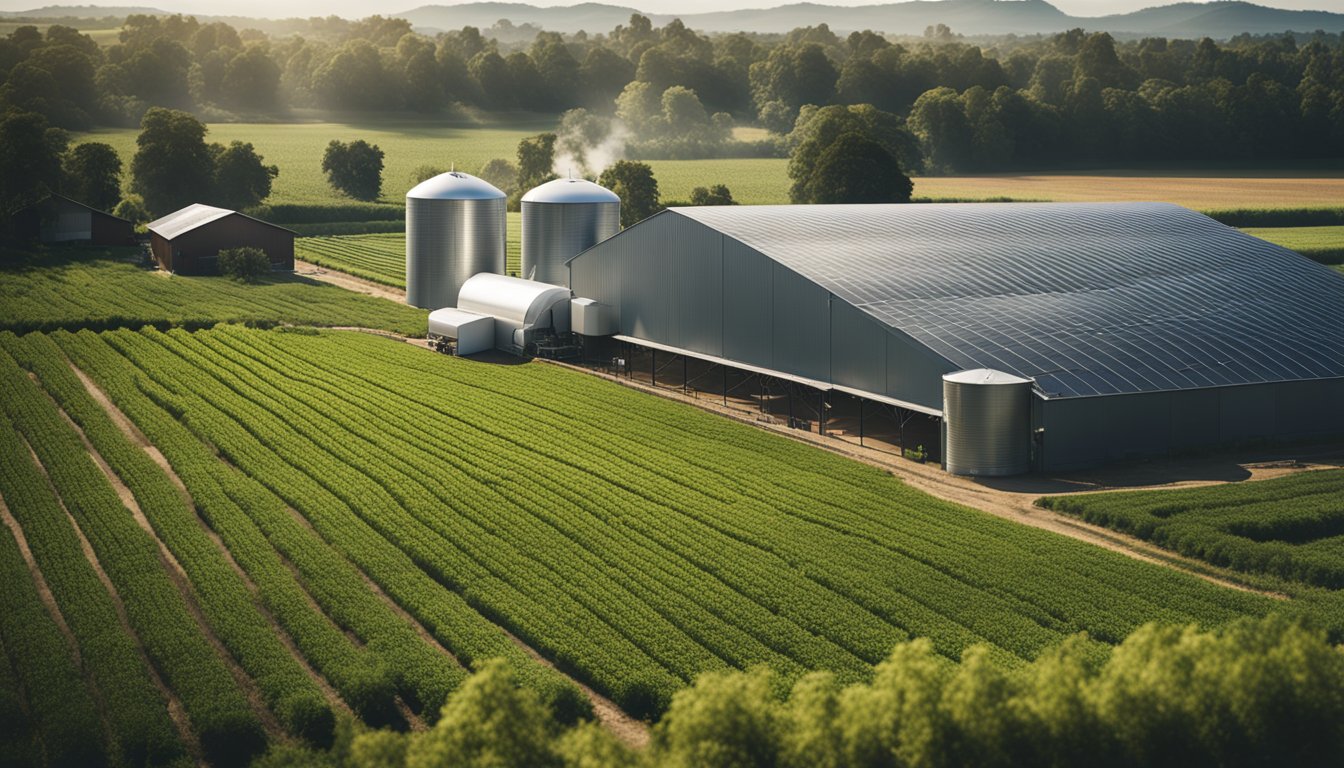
x=358 y=8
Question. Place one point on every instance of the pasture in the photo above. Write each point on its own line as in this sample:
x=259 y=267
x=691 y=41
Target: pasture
x=1323 y=244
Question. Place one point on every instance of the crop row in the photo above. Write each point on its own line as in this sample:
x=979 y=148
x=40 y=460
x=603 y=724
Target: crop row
x=452 y=622
x=85 y=292
x=679 y=560
x=248 y=522
x=229 y=730
x=63 y=714
x=137 y=715
x=18 y=737
x=224 y=597
x=1291 y=527
x=380 y=257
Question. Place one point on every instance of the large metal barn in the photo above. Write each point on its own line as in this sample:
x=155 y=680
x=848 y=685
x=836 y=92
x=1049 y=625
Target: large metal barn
x=1141 y=328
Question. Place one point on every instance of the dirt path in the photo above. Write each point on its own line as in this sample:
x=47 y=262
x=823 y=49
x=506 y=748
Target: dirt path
x=176 y=712
x=1014 y=498
x=348 y=281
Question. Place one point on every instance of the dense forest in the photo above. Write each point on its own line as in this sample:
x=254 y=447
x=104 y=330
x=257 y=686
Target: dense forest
x=1068 y=99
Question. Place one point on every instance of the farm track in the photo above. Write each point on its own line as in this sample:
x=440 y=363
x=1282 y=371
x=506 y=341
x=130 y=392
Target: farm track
x=348 y=281
x=176 y=710
x=1015 y=506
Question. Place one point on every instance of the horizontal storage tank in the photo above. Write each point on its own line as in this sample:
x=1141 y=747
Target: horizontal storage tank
x=470 y=332
x=454 y=229
x=987 y=415
x=561 y=219
x=524 y=310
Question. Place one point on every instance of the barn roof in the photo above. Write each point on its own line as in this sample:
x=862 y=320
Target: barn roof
x=195 y=216
x=1084 y=298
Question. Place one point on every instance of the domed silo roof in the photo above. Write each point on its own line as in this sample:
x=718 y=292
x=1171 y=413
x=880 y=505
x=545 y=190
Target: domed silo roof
x=454 y=229
x=561 y=219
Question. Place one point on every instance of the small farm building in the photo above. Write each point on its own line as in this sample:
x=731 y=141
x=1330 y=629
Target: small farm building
x=188 y=241
x=1115 y=330
x=58 y=219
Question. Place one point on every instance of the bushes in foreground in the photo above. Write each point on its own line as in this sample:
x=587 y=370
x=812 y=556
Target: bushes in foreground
x=1260 y=692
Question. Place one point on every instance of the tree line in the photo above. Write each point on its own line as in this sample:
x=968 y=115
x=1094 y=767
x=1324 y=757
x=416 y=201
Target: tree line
x=1008 y=102
x=1260 y=692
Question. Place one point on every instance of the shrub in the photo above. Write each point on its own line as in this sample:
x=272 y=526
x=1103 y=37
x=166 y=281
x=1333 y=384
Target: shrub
x=132 y=208
x=244 y=264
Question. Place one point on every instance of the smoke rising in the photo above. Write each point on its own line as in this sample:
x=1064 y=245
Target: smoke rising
x=586 y=143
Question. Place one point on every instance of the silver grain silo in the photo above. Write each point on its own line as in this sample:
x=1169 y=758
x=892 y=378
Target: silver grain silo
x=454 y=229
x=987 y=415
x=561 y=219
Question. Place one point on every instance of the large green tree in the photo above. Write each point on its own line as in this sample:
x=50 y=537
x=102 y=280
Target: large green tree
x=93 y=175
x=818 y=129
x=241 y=179
x=854 y=169
x=172 y=166
x=634 y=183
x=30 y=160
x=355 y=168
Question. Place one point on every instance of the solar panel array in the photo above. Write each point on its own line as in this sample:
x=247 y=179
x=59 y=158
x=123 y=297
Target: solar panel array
x=1085 y=298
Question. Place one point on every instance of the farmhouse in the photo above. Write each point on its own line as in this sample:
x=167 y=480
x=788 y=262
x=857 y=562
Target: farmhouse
x=1047 y=336
x=188 y=241
x=59 y=219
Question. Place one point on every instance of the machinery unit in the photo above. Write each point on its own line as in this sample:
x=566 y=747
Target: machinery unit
x=460 y=332
x=454 y=229
x=526 y=313
x=561 y=219
x=987 y=423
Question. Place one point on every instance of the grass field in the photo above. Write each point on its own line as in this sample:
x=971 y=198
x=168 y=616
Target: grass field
x=1323 y=244
x=407 y=144
x=382 y=257
x=1290 y=527
x=91 y=288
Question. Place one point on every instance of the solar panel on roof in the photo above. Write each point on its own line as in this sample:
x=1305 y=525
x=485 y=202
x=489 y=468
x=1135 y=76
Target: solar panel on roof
x=1086 y=298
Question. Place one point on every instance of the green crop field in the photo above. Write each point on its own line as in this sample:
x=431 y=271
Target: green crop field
x=381 y=257
x=1290 y=527
x=407 y=144
x=81 y=288
x=1324 y=244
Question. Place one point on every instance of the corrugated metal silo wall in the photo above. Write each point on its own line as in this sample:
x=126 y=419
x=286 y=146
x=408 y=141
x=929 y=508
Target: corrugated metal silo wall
x=554 y=233
x=677 y=282
x=988 y=428
x=448 y=241
x=1089 y=431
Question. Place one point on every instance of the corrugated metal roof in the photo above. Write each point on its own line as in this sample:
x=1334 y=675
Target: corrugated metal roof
x=509 y=298
x=1084 y=298
x=187 y=219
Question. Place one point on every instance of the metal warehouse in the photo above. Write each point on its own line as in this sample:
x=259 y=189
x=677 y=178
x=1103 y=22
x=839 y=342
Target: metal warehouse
x=1128 y=329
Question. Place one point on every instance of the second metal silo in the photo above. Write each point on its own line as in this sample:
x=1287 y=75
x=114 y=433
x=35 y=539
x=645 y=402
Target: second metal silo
x=454 y=229
x=561 y=219
x=987 y=418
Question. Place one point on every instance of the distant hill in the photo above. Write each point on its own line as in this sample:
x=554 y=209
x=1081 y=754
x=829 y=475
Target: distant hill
x=968 y=17
x=80 y=12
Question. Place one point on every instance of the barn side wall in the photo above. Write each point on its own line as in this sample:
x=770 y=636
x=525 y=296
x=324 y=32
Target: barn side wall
x=1086 y=432
x=675 y=281
x=196 y=252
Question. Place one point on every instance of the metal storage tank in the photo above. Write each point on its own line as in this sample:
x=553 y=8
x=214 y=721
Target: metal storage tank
x=987 y=418
x=561 y=219
x=454 y=229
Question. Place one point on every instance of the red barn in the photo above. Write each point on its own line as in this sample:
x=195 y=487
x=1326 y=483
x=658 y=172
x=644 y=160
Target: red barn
x=188 y=241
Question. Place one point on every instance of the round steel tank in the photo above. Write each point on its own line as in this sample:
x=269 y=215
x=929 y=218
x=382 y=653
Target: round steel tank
x=987 y=415
x=561 y=219
x=454 y=229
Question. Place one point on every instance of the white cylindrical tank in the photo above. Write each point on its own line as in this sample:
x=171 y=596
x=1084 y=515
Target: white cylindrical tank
x=454 y=229
x=561 y=219
x=987 y=415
